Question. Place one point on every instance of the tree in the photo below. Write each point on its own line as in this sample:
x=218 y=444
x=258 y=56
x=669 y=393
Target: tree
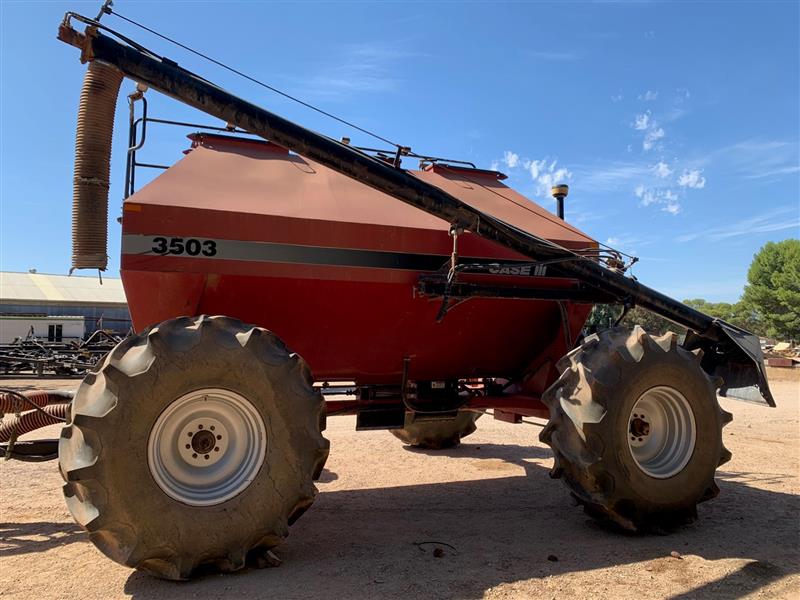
x=773 y=288
x=739 y=314
x=650 y=322
x=604 y=316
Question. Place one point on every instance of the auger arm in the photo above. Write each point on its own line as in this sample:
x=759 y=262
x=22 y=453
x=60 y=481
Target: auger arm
x=729 y=352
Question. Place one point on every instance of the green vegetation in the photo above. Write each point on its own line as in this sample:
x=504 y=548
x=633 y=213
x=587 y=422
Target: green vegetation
x=773 y=289
x=770 y=305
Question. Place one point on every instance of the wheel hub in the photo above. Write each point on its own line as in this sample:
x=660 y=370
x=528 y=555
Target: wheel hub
x=661 y=432
x=203 y=442
x=206 y=447
x=639 y=427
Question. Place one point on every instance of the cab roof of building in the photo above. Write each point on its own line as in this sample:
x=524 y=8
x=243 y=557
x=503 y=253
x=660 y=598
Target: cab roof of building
x=41 y=288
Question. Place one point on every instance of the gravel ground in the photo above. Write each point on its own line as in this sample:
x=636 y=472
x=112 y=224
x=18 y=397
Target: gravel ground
x=506 y=530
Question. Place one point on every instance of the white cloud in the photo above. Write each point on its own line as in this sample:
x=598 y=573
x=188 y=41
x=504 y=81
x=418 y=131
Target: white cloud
x=646 y=195
x=648 y=96
x=652 y=132
x=511 y=159
x=610 y=176
x=662 y=170
x=692 y=178
x=617 y=98
x=495 y=166
x=652 y=136
x=544 y=172
x=779 y=171
x=642 y=121
x=547 y=175
x=537 y=166
x=665 y=198
x=757 y=158
x=629 y=243
x=358 y=68
x=780 y=219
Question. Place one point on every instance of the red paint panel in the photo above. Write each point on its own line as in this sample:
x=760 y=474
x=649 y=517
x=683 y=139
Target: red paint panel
x=362 y=331
x=351 y=323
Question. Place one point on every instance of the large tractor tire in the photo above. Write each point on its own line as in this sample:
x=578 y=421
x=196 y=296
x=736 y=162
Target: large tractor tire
x=636 y=429
x=437 y=434
x=193 y=443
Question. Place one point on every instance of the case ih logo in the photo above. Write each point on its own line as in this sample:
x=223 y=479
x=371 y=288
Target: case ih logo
x=534 y=270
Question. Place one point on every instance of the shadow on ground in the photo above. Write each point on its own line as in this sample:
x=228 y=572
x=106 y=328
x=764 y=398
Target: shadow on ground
x=24 y=538
x=376 y=542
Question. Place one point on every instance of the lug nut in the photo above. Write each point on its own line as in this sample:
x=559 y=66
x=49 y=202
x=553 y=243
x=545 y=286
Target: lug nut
x=194 y=455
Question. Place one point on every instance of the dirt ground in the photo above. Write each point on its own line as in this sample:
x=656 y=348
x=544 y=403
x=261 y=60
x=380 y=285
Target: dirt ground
x=506 y=529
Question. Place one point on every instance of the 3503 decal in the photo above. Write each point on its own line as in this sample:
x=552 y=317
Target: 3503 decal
x=187 y=246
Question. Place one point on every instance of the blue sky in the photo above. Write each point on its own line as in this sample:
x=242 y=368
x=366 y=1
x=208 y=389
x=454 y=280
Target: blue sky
x=676 y=124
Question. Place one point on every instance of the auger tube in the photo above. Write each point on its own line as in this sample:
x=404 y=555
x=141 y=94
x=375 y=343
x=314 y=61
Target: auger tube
x=729 y=352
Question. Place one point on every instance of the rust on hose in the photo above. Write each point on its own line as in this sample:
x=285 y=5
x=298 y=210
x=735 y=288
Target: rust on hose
x=33 y=419
x=11 y=404
x=90 y=182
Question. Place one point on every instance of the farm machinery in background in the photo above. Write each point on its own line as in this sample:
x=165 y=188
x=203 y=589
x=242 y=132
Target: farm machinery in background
x=31 y=356
x=420 y=299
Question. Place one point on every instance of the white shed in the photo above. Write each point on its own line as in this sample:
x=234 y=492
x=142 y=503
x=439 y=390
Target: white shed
x=46 y=329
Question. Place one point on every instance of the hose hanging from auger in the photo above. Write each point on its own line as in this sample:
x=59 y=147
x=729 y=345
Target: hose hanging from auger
x=90 y=181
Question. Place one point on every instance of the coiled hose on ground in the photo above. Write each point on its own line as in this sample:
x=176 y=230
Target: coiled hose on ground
x=95 y=130
x=32 y=420
x=10 y=402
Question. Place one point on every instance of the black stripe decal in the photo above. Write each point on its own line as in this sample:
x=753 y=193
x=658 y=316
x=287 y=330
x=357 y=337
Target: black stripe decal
x=151 y=245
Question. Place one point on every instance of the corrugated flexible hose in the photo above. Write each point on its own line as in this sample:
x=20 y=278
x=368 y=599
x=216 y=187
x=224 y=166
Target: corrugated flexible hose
x=10 y=403
x=90 y=182
x=33 y=419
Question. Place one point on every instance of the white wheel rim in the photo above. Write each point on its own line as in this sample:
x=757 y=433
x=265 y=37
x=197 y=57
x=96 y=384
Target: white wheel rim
x=207 y=447
x=661 y=432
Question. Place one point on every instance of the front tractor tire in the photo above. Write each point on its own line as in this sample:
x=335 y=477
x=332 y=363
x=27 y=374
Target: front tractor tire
x=193 y=443
x=437 y=434
x=636 y=429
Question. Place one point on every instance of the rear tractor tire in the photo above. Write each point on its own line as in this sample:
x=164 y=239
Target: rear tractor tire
x=437 y=434
x=193 y=443
x=636 y=429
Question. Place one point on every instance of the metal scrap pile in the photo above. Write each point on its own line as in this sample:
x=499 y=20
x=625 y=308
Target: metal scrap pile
x=32 y=357
x=782 y=354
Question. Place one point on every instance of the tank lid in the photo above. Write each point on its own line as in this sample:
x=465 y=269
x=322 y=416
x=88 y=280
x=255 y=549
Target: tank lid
x=215 y=140
x=444 y=168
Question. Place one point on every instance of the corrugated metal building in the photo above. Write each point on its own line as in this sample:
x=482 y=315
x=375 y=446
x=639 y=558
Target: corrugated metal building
x=36 y=294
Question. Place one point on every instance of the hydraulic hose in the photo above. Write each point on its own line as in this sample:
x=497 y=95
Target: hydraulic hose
x=33 y=419
x=90 y=182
